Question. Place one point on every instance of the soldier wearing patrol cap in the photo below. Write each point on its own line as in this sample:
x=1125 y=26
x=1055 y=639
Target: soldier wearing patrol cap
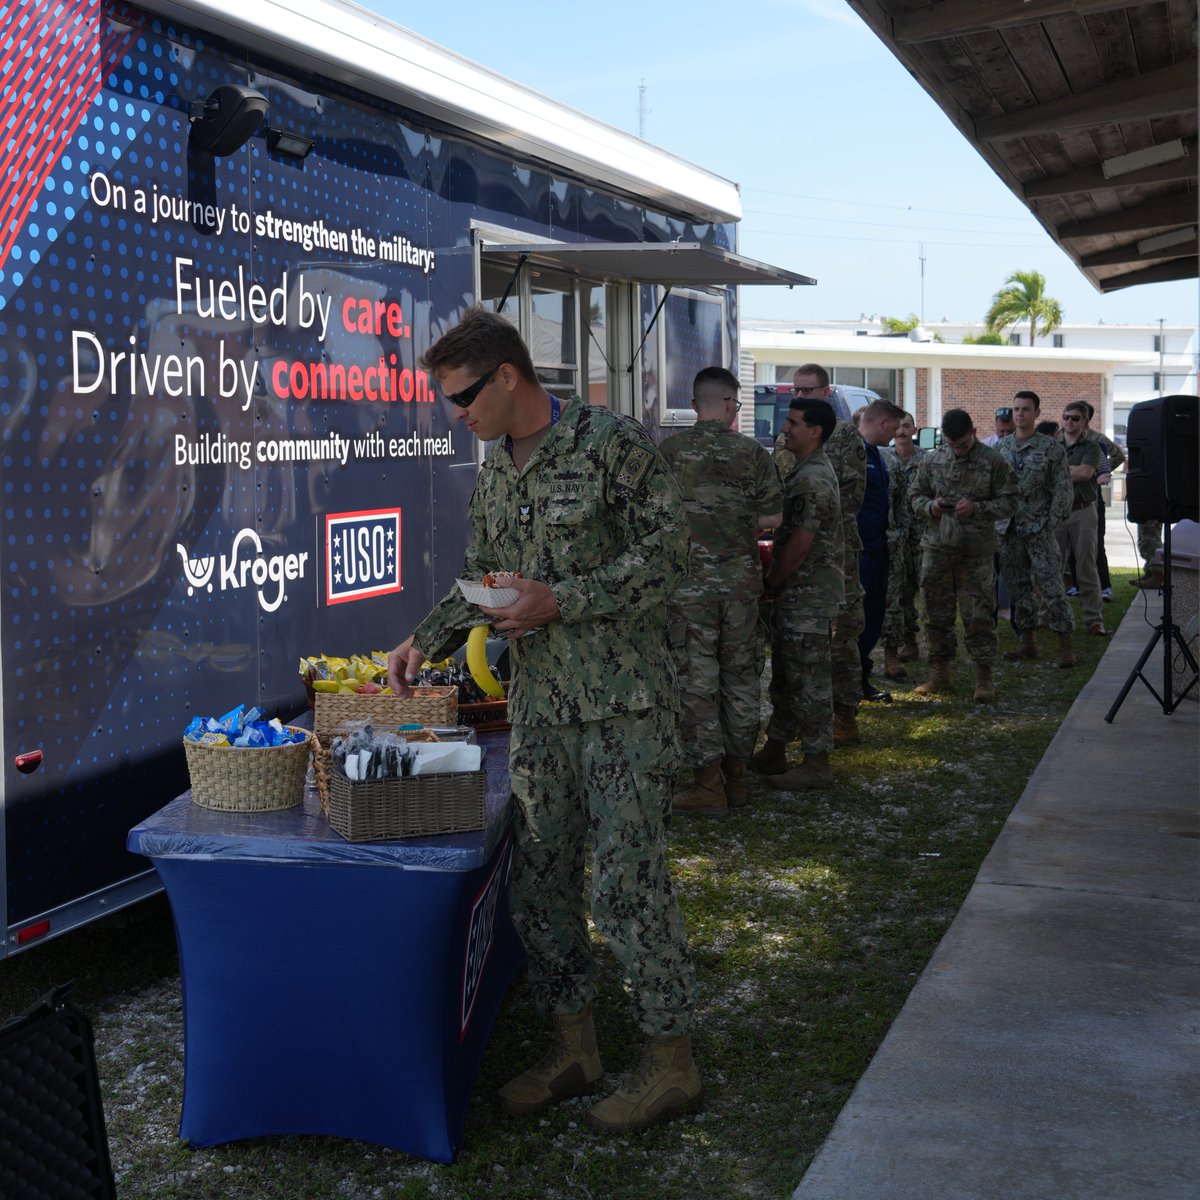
x=578 y=500
x=731 y=490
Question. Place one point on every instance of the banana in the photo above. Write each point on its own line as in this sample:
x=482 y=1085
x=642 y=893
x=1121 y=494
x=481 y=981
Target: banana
x=477 y=663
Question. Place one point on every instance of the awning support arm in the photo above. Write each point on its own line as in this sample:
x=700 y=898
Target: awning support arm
x=512 y=283
x=649 y=328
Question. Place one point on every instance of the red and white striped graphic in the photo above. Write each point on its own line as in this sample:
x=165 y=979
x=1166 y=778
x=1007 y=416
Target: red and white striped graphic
x=55 y=54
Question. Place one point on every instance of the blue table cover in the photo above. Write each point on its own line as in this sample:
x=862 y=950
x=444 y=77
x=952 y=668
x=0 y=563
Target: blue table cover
x=333 y=987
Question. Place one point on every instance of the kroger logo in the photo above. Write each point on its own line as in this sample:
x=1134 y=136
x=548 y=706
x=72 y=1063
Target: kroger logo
x=244 y=566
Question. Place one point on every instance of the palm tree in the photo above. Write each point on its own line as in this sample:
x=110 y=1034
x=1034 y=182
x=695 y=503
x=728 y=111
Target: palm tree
x=1023 y=298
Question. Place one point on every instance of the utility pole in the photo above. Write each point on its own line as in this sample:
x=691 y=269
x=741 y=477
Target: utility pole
x=643 y=111
x=922 y=255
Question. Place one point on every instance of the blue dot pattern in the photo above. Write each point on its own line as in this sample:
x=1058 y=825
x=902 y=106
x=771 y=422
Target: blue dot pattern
x=114 y=636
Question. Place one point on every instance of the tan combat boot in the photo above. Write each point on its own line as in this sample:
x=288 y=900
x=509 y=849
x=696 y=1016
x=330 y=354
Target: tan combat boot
x=939 y=681
x=893 y=668
x=771 y=759
x=1027 y=650
x=909 y=652
x=572 y=1067
x=845 y=725
x=813 y=772
x=1153 y=578
x=734 y=771
x=985 y=685
x=706 y=795
x=665 y=1085
x=1066 y=650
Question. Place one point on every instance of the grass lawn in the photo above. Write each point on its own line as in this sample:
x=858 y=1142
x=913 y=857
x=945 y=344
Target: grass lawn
x=810 y=918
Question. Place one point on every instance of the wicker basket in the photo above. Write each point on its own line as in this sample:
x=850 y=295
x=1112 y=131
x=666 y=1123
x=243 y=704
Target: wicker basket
x=248 y=778
x=419 y=806
x=426 y=706
x=323 y=768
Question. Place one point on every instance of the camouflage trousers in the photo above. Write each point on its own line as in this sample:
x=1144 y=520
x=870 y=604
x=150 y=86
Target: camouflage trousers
x=716 y=647
x=900 y=621
x=1149 y=540
x=952 y=580
x=607 y=783
x=844 y=658
x=1032 y=567
x=802 y=693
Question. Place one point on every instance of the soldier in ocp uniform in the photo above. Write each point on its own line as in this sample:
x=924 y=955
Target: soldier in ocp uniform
x=848 y=457
x=1029 y=554
x=961 y=490
x=578 y=500
x=730 y=490
x=807 y=585
x=900 y=624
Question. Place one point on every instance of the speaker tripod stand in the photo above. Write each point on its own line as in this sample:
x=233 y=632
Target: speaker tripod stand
x=1171 y=637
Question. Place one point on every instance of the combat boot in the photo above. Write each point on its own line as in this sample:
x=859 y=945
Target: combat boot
x=813 y=772
x=845 y=725
x=1153 y=578
x=1027 y=650
x=909 y=651
x=571 y=1067
x=734 y=771
x=705 y=797
x=939 y=681
x=985 y=685
x=1066 y=650
x=771 y=759
x=893 y=668
x=665 y=1085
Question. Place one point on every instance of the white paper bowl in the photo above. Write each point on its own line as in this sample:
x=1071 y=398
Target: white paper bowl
x=476 y=593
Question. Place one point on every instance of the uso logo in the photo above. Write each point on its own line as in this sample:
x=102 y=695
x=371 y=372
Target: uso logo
x=362 y=554
x=480 y=932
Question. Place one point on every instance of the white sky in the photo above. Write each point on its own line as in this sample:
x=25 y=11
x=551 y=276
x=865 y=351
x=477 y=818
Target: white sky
x=846 y=166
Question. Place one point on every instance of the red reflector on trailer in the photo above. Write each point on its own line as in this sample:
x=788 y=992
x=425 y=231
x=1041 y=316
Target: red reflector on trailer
x=32 y=931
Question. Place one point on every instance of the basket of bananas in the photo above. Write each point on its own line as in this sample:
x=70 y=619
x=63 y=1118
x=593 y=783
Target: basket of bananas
x=352 y=689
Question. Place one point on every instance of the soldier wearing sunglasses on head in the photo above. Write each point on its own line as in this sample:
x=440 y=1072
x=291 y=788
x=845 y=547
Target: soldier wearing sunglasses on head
x=578 y=500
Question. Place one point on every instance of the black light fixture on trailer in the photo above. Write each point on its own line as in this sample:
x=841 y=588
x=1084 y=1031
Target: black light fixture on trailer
x=290 y=145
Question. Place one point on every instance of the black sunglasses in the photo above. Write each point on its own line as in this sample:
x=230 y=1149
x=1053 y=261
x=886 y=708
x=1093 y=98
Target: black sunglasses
x=466 y=397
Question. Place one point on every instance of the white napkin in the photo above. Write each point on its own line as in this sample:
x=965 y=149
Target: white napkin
x=436 y=758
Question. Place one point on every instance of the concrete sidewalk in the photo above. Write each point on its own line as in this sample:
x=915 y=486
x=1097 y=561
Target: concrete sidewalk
x=1049 y=1050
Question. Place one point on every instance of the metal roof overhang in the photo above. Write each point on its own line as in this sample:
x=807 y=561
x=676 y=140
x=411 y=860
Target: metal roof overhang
x=670 y=264
x=1086 y=109
x=667 y=264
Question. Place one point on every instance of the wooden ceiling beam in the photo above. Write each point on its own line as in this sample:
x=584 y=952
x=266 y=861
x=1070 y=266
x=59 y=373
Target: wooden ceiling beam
x=1164 y=212
x=1089 y=179
x=1161 y=93
x=956 y=18
x=1179 y=268
x=1131 y=254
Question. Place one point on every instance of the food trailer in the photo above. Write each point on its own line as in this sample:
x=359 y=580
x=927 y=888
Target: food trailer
x=229 y=231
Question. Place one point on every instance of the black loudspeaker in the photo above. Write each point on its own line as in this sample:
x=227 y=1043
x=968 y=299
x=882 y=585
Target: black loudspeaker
x=1163 y=448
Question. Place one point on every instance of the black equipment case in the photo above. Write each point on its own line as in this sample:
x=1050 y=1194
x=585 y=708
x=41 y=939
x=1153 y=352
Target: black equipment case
x=53 y=1144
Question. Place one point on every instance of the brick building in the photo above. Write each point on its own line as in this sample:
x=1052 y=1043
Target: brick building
x=928 y=378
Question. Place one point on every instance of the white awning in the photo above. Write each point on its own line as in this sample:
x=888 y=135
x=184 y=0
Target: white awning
x=671 y=264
